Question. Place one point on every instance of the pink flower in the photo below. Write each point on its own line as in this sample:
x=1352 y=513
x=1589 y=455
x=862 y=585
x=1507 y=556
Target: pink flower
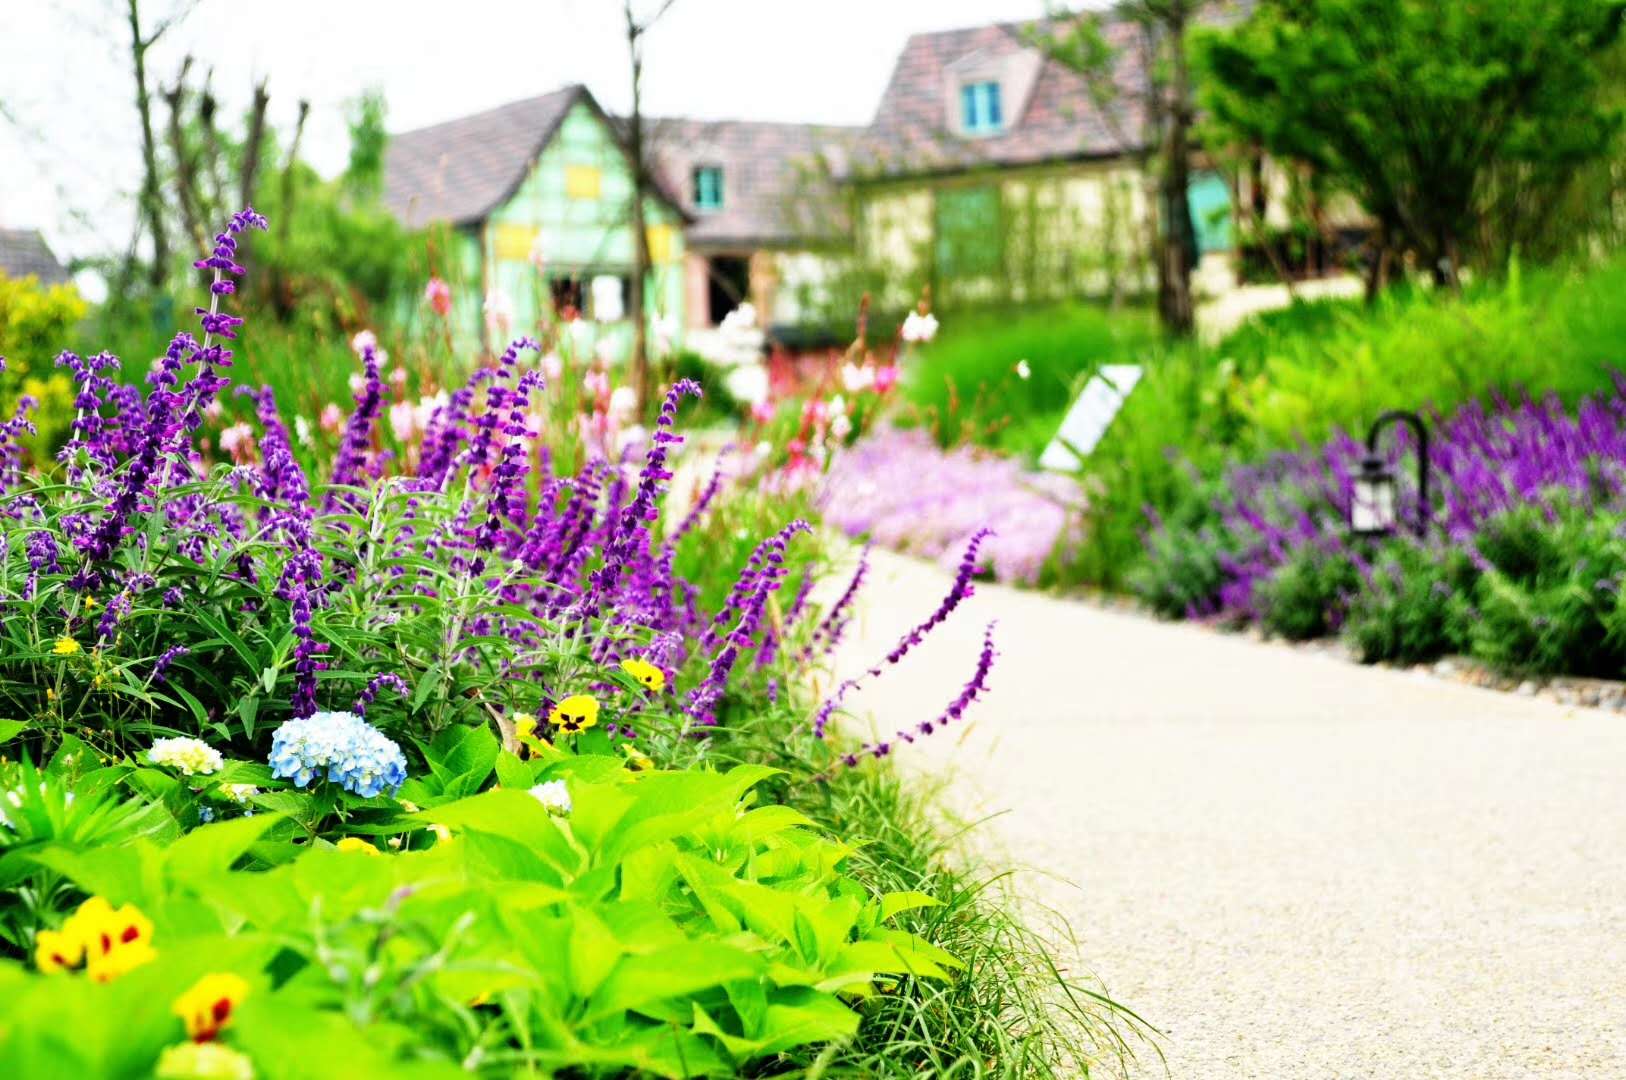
x=552 y=367
x=363 y=341
x=238 y=441
x=499 y=311
x=762 y=412
x=404 y=421
x=886 y=377
x=596 y=383
x=212 y=410
x=438 y=295
x=331 y=419
x=398 y=378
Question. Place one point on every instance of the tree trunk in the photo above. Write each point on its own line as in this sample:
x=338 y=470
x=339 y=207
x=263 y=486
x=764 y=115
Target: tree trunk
x=252 y=145
x=152 y=206
x=186 y=171
x=1179 y=243
x=640 y=240
x=285 y=213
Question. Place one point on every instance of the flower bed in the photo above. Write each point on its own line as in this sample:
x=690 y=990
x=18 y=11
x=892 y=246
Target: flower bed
x=443 y=761
x=900 y=490
x=1521 y=566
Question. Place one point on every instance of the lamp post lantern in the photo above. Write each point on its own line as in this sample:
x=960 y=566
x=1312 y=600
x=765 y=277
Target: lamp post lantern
x=1375 y=507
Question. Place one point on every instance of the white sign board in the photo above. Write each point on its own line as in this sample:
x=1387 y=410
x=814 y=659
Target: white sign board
x=1090 y=416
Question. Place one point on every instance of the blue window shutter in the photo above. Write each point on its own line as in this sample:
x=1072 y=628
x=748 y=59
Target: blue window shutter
x=980 y=108
x=708 y=187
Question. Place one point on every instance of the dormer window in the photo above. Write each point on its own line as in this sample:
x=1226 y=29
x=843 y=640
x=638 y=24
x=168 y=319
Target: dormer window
x=980 y=112
x=708 y=187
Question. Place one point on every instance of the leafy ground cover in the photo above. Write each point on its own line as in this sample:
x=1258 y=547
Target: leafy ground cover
x=435 y=749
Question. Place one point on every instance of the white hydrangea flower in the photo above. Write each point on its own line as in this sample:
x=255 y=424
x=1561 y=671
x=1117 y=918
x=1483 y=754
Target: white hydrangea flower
x=554 y=795
x=191 y=757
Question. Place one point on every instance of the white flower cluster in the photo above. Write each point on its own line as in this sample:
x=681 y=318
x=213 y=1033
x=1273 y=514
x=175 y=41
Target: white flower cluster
x=554 y=795
x=919 y=328
x=189 y=757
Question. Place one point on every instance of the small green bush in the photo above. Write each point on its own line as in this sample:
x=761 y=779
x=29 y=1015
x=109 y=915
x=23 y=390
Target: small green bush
x=34 y=320
x=1416 y=607
x=1552 y=602
x=1181 y=575
x=1308 y=596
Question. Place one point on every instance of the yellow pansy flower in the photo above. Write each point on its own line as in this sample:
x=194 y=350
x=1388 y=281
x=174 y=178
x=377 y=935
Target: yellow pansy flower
x=578 y=712
x=207 y=1007
x=356 y=843
x=55 y=950
x=639 y=761
x=65 y=646
x=524 y=726
x=108 y=942
x=646 y=673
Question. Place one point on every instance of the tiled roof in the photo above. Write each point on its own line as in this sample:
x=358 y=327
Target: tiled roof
x=23 y=252
x=1060 y=120
x=777 y=188
x=461 y=170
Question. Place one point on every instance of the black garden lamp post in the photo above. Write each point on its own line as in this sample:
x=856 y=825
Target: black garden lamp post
x=1373 y=510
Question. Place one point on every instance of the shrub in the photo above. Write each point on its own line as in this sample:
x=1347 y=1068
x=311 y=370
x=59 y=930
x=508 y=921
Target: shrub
x=1182 y=573
x=717 y=404
x=1417 y=605
x=1549 y=602
x=1308 y=594
x=34 y=320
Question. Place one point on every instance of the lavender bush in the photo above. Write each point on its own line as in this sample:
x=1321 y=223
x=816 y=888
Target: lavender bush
x=899 y=489
x=147 y=592
x=1510 y=482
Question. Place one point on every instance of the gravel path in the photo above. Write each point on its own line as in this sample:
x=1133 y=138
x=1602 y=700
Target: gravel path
x=1294 y=867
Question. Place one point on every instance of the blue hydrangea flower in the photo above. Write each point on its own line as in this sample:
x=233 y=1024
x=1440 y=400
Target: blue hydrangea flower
x=343 y=747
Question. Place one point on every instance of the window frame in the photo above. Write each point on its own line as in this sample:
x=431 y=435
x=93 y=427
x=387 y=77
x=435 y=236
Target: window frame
x=701 y=171
x=982 y=108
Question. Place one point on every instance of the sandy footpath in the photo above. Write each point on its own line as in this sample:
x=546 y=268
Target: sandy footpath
x=1295 y=867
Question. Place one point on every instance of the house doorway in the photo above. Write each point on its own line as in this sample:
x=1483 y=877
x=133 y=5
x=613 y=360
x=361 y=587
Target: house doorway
x=728 y=285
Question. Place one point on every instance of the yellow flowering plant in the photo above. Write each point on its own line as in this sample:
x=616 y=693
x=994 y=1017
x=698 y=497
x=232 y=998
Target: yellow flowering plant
x=105 y=941
x=574 y=714
x=648 y=675
x=207 y=1006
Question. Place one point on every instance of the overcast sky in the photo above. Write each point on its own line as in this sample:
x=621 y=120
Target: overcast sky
x=69 y=139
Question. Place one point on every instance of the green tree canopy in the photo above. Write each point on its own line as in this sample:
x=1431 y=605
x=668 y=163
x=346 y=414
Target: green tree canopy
x=1410 y=104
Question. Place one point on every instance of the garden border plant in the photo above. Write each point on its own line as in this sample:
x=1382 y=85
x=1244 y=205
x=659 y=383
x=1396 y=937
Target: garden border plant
x=510 y=841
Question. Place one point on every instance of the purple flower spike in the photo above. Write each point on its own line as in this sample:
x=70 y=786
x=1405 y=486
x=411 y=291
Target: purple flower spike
x=958 y=591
